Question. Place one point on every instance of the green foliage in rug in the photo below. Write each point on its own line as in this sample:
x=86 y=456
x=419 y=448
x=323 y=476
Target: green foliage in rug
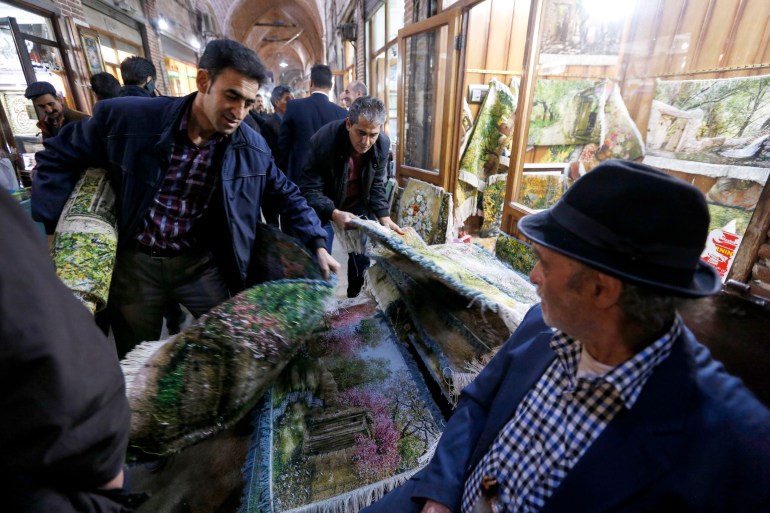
x=516 y=253
x=410 y=448
x=494 y=196
x=88 y=189
x=539 y=191
x=170 y=387
x=368 y=331
x=351 y=372
x=84 y=263
x=721 y=216
x=288 y=437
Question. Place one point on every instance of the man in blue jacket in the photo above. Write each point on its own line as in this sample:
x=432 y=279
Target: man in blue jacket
x=189 y=183
x=602 y=400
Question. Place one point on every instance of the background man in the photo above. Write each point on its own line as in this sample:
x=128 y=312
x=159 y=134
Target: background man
x=65 y=422
x=355 y=89
x=138 y=77
x=603 y=400
x=346 y=174
x=271 y=126
x=105 y=86
x=189 y=181
x=303 y=118
x=55 y=113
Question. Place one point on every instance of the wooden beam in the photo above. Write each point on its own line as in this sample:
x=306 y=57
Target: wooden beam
x=755 y=236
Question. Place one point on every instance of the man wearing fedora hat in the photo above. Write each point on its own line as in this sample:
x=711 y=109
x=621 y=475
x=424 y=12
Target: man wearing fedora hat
x=55 y=114
x=602 y=400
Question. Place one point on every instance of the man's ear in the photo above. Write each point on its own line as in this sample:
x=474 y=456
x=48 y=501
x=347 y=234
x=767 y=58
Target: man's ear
x=607 y=290
x=347 y=124
x=203 y=81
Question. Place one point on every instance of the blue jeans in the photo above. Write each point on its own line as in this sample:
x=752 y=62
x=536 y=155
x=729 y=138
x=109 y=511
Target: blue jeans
x=142 y=286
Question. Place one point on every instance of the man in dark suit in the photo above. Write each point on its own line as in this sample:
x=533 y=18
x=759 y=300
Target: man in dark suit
x=602 y=400
x=303 y=118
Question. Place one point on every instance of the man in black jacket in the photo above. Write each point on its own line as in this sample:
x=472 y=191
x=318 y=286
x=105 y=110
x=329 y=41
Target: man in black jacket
x=138 y=77
x=345 y=176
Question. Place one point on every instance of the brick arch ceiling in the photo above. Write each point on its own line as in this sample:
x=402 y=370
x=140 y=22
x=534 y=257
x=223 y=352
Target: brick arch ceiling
x=242 y=15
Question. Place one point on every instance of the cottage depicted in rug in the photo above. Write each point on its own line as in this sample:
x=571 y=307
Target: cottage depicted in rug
x=347 y=421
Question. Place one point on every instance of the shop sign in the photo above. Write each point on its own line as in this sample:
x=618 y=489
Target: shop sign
x=721 y=246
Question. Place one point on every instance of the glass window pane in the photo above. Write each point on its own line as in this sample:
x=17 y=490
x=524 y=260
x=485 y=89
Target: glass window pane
x=395 y=17
x=425 y=62
x=377 y=26
x=29 y=23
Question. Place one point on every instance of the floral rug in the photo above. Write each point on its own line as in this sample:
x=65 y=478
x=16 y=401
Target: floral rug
x=85 y=241
x=427 y=209
x=348 y=420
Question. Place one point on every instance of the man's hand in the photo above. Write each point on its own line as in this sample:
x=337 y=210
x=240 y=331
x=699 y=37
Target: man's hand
x=388 y=223
x=342 y=218
x=435 y=507
x=327 y=262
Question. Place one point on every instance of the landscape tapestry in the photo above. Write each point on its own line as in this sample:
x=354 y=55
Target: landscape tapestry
x=725 y=122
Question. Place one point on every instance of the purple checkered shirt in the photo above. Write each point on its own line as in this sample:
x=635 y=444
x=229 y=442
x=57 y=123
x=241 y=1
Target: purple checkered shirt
x=557 y=421
x=185 y=193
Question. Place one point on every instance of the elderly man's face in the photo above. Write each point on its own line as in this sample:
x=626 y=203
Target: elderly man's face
x=563 y=286
x=347 y=97
x=50 y=105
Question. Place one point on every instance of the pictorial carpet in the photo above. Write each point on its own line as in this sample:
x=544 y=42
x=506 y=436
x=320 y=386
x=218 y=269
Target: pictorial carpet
x=490 y=135
x=348 y=420
x=455 y=303
x=85 y=241
x=203 y=380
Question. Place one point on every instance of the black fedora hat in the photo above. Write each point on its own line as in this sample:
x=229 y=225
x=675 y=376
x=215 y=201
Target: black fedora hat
x=635 y=223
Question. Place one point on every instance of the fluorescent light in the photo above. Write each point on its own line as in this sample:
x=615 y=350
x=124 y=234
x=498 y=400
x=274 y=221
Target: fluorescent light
x=162 y=23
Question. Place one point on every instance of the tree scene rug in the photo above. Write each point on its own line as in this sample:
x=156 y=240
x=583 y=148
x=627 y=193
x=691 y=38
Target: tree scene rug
x=348 y=420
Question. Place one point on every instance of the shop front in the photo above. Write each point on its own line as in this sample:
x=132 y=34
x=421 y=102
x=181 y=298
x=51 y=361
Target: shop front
x=504 y=104
x=30 y=51
x=181 y=63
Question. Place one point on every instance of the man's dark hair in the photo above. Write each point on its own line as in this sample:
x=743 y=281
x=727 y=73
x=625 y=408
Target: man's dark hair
x=368 y=107
x=226 y=53
x=135 y=70
x=278 y=92
x=105 y=86
x=321 y=76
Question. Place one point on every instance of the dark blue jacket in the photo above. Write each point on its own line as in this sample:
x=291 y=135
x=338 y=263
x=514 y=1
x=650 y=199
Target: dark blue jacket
x=132 y=138
x=302 y=119
x=696 y=441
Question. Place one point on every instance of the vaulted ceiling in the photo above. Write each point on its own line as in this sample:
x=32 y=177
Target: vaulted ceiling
x=289 y=31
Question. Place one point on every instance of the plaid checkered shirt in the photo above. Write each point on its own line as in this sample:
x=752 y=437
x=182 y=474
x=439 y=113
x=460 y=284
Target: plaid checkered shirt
x=185 y=193
x=557 y=421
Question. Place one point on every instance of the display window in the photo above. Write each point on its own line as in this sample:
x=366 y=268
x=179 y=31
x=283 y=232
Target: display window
x=548 y=89
x=181 y=77
x=383 y=60
x=30 y=52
